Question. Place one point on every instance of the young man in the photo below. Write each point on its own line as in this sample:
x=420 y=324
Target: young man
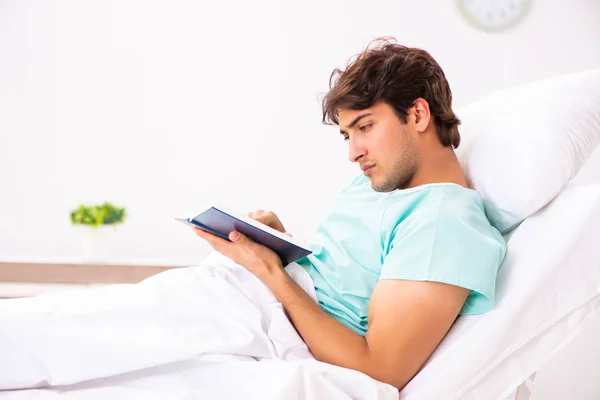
x=407 y=246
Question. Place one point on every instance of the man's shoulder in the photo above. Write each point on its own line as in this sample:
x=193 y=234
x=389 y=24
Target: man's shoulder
x=450 y=198
x=434 y=202
x=451 y=215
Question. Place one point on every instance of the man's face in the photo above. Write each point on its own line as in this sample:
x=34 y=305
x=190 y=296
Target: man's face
x=386 y=150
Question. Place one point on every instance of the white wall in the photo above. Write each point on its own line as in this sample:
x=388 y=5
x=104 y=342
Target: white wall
x=165 y=106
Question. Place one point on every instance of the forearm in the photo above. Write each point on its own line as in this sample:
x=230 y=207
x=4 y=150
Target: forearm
x=328 y=340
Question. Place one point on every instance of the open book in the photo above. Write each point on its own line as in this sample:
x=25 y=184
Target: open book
x=221 y=222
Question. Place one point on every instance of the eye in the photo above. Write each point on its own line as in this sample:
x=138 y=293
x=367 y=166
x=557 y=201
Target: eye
x=365 y=128
x=346 y=138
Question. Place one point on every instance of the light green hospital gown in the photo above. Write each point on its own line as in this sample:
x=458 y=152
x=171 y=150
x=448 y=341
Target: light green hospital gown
x=435 y=232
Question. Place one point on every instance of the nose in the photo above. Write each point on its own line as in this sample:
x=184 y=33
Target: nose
x=355 y=150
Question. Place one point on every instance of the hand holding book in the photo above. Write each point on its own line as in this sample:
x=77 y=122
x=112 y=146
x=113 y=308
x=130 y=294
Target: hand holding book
x=264 y=228
x=259 y=260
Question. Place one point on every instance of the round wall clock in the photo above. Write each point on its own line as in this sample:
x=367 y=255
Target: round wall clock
x=493 y=15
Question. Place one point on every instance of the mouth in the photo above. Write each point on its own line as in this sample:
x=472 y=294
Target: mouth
x=367 y=169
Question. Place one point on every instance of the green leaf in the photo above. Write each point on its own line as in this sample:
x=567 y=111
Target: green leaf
x=99 y=214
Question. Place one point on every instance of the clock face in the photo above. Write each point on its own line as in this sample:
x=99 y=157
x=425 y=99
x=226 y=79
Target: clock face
x=493 y=15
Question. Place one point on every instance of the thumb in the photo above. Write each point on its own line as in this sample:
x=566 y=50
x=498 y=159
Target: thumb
x=239 y=238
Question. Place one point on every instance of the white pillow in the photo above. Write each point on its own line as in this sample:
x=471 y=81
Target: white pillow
x=590 y=173
x=520 y=146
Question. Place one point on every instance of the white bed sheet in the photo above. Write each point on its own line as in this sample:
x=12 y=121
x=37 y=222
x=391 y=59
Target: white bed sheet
x=212 y=332
x=549 y=287
x=548 y=290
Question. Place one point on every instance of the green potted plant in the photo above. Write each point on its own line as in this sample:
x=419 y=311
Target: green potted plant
x=98 y=215
x=96 y=228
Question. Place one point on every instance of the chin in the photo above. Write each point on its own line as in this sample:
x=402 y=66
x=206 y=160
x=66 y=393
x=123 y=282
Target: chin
x=384 y=185
x=379 y=187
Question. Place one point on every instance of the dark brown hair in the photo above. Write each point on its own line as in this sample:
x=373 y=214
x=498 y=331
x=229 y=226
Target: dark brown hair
x=397 y=75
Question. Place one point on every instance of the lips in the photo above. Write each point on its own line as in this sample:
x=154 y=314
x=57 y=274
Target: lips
x=367 y=169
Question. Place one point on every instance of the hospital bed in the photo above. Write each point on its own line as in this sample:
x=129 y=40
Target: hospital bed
x=548 y=290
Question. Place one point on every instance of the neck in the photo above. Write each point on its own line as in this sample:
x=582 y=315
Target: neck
x=437 y=165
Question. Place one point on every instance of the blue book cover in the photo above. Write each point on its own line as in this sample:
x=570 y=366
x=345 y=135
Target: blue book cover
x=221 y=222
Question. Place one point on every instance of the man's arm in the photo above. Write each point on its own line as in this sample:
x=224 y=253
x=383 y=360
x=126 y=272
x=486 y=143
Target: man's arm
x=407 y=321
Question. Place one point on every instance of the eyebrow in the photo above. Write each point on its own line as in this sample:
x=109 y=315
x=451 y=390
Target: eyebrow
x=354 y=121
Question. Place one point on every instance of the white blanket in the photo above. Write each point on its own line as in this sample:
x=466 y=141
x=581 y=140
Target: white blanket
x=212 y=331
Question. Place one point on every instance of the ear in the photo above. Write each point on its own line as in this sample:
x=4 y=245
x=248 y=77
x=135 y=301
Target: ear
x=422 y=114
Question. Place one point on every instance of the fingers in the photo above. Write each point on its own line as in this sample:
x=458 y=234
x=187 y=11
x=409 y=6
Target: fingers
x=214 y=241
x=258 y=213
x=242 y=240
x=222 y=245
x=266 y=217
x=204 y=235
x=242 y=250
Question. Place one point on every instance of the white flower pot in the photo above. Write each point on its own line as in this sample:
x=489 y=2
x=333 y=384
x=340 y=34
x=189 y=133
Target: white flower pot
x=96 y=243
